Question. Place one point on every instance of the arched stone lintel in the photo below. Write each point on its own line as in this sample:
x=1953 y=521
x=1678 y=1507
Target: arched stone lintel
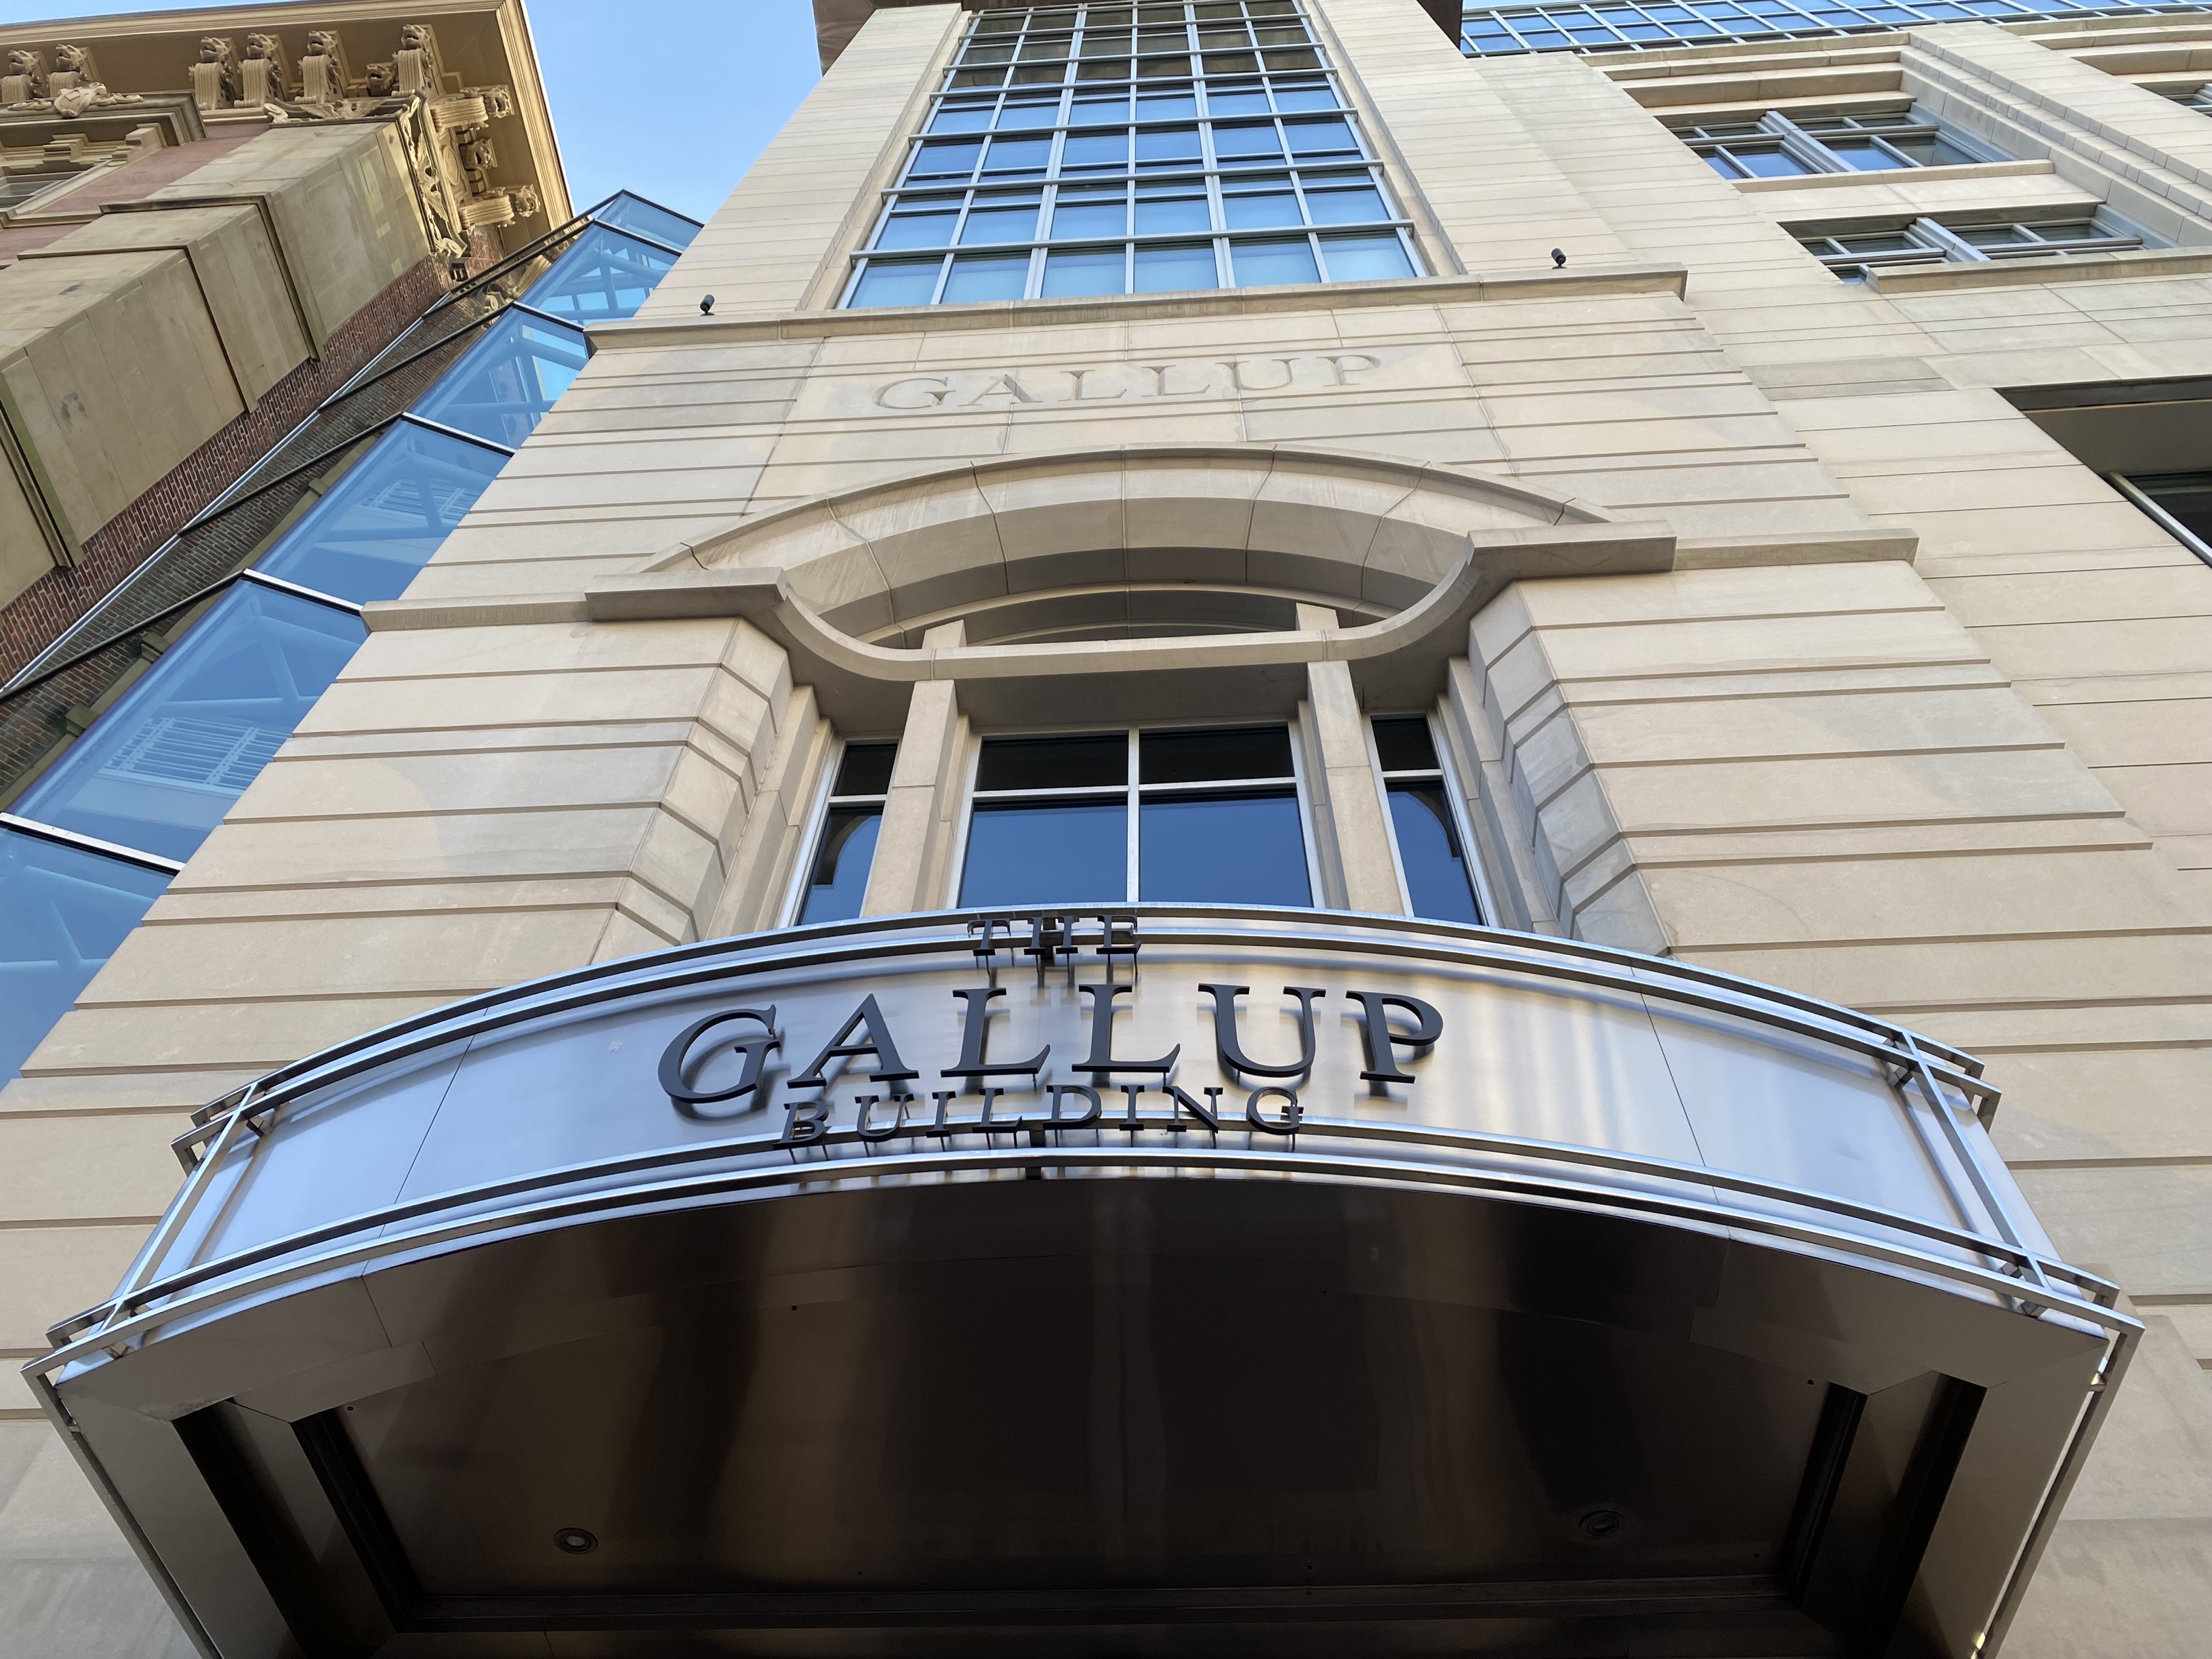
x=1364 y=532
x=864 y=686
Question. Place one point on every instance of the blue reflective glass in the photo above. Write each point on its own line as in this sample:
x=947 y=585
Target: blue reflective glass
x=987 y=276
x=895 y=282
x=840 y=880
x=63 y=911
x=1365 y=258
x=1436 y=878
x=1347 y=207
x=1025 y=853
x=1262 y=265
x=1070 y=275
x=1266 y=212
x=161 y=767
x=917 y=229
x=502 y=387
x=1165 y=270
x=1223 y=849
x=383 y=520
x=631 y=212
x=604 y=274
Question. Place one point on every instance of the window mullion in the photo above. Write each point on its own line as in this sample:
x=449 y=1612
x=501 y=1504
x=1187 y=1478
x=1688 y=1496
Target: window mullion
x=1133 y=874
x=1952 y=245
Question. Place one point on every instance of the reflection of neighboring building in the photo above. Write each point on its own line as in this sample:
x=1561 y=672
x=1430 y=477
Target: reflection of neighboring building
x=1175 y=897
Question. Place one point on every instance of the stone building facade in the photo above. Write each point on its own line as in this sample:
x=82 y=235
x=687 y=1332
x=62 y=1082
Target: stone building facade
x=1760 y=472
x=198 y=254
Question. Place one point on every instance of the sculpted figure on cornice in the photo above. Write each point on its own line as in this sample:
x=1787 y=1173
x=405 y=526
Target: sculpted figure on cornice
x=323 y=76
x=448 y=135
x=25 y=82
x=415 y=65
x=262 y=74
x=70 y=91
x=216 y=82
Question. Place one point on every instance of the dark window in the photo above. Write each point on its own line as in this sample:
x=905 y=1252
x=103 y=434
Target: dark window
x=1207 y=816
x=845 y=849
x=1439 y=883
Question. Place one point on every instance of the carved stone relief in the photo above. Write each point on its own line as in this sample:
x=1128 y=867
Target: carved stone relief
x=216 y=80
x=263 y=72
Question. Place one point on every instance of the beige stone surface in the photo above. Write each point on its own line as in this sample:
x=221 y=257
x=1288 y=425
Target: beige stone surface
x=1970 y=790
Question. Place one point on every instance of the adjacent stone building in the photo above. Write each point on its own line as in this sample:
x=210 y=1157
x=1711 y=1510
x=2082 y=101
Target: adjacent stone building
x=1722 y=482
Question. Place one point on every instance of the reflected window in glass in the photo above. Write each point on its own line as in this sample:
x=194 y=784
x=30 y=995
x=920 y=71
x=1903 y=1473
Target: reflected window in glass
x=63 y=911
x=164 y=764
x=1432 y=855
x=845 y=845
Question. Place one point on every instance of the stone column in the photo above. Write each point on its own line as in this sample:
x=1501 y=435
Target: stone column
x=914 y=847
x=1352 y=826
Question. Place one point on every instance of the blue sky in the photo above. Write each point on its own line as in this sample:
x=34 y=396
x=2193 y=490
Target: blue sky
x=699 y=87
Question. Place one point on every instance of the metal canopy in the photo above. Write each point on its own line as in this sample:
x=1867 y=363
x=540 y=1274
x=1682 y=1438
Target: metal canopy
x=1172 y=1279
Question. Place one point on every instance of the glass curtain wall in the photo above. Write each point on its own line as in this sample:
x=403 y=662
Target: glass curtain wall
x=92 y=839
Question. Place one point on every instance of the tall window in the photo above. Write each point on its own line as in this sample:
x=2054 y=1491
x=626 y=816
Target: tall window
x=1432 y=854
x=845 y=850
x=1205 y=815
x=1130 y=149
x=1851 y=251
x=1776 y=146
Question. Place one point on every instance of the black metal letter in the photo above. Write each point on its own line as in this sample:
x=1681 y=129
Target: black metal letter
x=976 y=1038
x=1061 y=1092
x=808 y=1121
x=889 y=1068
x=1382 y=1042
x=1102 y=1062
x=756 y=1049
x=1233 y=1058
x=868 y=1104
x=1293 y=1113
x=1209 y=1114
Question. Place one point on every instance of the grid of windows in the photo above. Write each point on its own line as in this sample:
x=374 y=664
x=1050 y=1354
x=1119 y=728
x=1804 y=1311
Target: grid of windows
x=1206 y=815
x=1090 y=149
x=1777 y=146
x=1489 y=31
x=1852 y=253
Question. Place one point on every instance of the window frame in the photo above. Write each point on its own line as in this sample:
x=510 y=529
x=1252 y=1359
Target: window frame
x=1808 y=145
x=826 y=798
x=2157 y=513
x=1205 y=172
x=1455 y=797
x=1133 y=793
x=1937 y=243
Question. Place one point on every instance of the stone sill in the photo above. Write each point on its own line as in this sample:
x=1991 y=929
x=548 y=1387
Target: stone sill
x=1595 y=281
x=1896 y=176
x=2032 y=273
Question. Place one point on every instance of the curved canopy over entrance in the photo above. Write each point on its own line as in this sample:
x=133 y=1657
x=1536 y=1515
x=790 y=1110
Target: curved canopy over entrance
x=1055 y=1285
x=1135 y=542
